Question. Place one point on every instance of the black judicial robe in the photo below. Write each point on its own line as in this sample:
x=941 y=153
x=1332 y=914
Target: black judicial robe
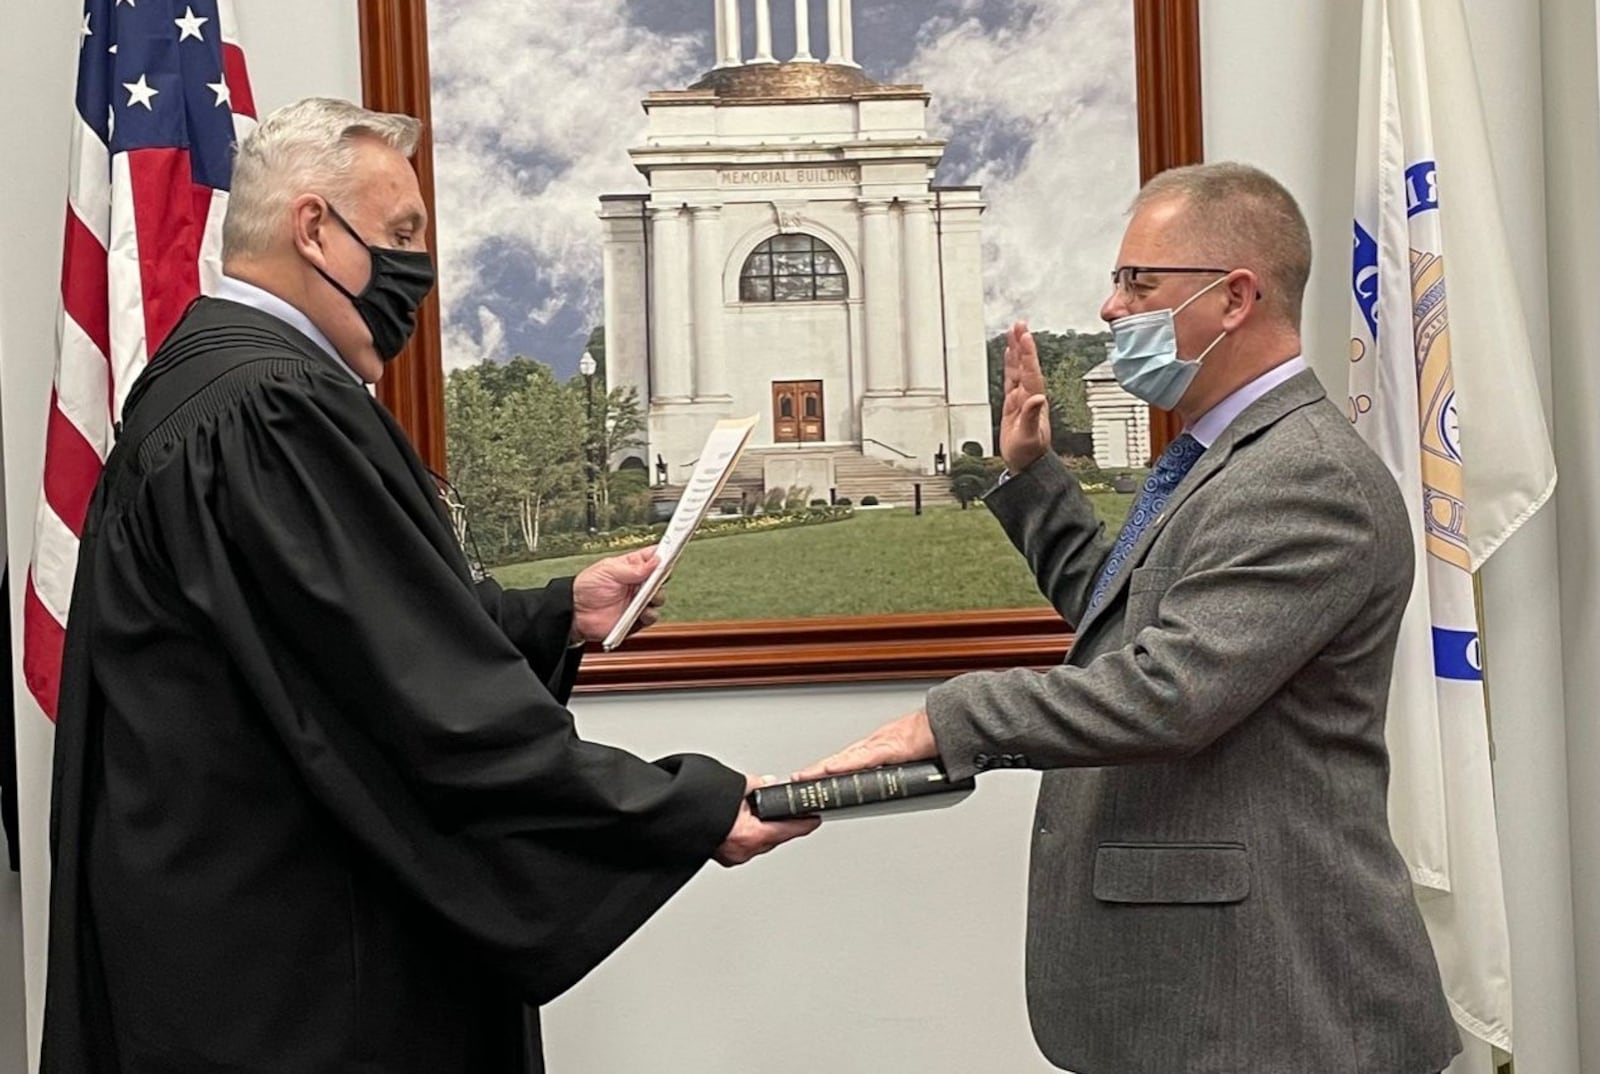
x=317 y=803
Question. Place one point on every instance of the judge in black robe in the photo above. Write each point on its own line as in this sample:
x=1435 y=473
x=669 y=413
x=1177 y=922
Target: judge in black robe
x=318 y=805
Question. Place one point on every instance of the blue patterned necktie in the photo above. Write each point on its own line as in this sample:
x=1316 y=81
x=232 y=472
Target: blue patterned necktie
x=1170 y=469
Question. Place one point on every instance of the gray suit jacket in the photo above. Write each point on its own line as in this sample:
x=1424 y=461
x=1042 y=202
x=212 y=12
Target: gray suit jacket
x=1214 y=889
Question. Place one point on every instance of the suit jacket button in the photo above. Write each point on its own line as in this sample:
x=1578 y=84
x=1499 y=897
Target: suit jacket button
x=1021 y=759
x=981 y=761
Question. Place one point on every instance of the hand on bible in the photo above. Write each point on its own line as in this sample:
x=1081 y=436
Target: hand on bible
x=602 y=590
x=751 y=836
x=910 y=738
x=1024 y=413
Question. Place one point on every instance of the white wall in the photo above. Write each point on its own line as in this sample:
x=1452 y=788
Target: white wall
x=1572 y=175
x=294 y=48
x=41 y=50
x=890 y=944
x=1280 y=91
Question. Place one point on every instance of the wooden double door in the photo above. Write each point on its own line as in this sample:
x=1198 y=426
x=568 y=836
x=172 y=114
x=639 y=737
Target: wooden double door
x=797 y=415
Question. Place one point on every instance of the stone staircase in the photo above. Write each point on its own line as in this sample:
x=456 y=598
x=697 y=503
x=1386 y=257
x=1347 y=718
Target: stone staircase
x=855 y=476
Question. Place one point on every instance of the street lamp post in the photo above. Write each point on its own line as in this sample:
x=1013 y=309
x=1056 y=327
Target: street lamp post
x=586 y=366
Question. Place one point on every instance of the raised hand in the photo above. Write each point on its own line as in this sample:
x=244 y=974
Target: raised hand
x=1024 y=411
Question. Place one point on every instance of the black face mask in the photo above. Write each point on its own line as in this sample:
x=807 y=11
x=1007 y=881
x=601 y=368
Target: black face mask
x=400 y=280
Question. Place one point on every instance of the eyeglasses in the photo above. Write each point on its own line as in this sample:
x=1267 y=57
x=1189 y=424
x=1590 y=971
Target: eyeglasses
x=1125 y=277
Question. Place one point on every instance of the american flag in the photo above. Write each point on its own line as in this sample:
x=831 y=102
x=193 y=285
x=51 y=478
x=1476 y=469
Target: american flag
x=162 y=99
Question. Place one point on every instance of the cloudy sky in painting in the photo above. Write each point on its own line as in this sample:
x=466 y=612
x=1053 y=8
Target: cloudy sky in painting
x=536 y=104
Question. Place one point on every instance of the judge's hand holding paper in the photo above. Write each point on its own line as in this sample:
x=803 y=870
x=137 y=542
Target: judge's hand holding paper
x=717 y=460
x=604 y=590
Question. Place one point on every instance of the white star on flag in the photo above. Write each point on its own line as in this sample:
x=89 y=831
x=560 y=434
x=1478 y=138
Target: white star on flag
x=189 y=25
x=140 y=92
x=85 y=32
x=220 y=88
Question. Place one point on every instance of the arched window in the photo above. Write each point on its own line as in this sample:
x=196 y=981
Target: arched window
x=792 y=268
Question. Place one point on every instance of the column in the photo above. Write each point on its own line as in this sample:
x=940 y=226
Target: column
x=719 y=36
x=835 y=33
x=731 y=41
x=919 y=264
x=710 y=371
x=764 y=32
x=881 y=300
x=669 y=270
x=847 y=33
x=610 y=287
x=802 y=32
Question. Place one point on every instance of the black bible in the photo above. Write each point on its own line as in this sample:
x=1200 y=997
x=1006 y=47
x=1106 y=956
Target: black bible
x=890 y=789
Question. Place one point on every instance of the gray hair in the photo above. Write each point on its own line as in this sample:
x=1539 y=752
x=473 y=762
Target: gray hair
x=307 y=146
x=1238 y=216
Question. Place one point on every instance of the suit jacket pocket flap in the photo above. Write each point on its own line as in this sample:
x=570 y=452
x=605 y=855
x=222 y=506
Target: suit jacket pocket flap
x=1145 y=579
x=1171 y=872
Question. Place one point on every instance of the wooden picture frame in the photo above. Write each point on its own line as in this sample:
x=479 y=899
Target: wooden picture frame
x=395 y=78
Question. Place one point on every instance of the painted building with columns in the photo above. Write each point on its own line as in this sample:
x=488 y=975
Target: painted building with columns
x=793 y=258
x=1120 y=421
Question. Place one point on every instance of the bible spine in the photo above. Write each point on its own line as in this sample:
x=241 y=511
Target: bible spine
x=782 y=801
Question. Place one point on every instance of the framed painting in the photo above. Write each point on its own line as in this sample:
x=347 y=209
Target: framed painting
x=653 y=216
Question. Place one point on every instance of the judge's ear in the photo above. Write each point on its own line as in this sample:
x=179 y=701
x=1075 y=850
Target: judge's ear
x=310 y=221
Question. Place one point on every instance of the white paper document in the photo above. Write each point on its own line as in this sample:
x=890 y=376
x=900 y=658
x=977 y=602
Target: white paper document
x=717 y=460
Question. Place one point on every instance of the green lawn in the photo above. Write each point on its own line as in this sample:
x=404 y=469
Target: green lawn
x=874 y=563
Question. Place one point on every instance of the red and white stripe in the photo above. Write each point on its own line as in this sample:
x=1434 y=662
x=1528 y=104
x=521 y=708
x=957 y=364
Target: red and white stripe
x=142 y=240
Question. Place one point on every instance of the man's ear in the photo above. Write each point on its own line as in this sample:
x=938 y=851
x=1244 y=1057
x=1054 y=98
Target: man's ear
x=1244 y=293
x=310 y=219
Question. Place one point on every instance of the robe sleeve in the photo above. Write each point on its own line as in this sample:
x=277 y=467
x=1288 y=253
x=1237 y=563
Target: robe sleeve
x=539 y=624
x=409 y=711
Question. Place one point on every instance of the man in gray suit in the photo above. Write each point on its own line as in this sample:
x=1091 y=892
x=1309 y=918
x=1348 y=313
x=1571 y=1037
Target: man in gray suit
x=1214 y=888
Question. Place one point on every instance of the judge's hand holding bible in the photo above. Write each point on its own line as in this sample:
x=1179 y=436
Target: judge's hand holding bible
x=751 y=836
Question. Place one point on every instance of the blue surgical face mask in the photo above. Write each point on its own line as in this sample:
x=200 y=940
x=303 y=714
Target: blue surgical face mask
x=1144 y=354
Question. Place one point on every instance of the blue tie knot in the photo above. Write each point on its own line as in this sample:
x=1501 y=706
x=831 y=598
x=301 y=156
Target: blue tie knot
x=1174 y=463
